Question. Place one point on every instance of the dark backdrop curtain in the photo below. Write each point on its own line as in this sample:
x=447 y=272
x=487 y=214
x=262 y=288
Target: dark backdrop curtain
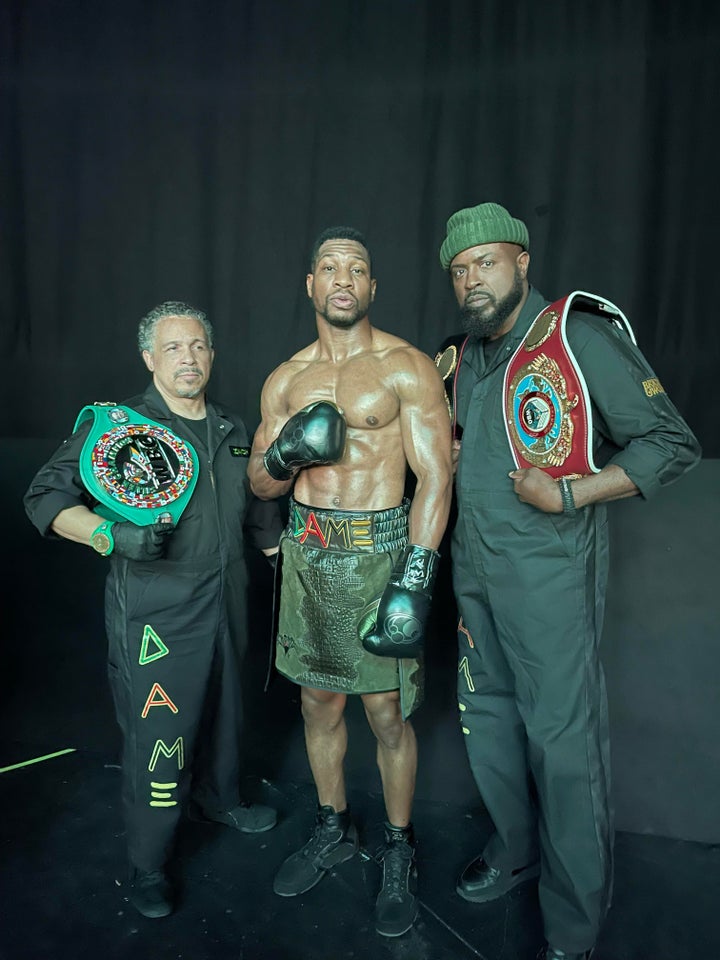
x=192 y=150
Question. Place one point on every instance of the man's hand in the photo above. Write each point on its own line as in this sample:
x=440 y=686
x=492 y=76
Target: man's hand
x=537 y=488
x=140 y=543
x=314 y=436
x=395 y=626
x=455 y=455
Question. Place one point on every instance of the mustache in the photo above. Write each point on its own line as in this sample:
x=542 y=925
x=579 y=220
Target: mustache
x=180 y=373
x=348 y=296
x=487 y=298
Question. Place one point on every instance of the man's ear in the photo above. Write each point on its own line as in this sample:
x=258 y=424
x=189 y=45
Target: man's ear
x=309 y=284
x=149 y=362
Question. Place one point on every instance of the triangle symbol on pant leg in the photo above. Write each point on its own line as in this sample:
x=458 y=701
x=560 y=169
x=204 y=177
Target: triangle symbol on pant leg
x=159 y=648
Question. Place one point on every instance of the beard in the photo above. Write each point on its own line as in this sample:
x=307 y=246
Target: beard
x=482 y=322
x=188 y=391
x=343 y=319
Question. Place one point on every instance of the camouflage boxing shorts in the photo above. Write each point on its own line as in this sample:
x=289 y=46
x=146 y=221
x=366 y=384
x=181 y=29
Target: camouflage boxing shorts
x=335 y=563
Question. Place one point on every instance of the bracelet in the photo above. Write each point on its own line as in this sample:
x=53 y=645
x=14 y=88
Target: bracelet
x=568 y=500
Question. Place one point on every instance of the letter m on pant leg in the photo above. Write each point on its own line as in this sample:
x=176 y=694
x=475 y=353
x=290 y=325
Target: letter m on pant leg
x=162 y=748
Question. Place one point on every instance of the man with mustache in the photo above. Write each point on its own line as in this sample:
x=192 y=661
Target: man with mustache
x=175 y=602
x=342 y=421
x=537 y=390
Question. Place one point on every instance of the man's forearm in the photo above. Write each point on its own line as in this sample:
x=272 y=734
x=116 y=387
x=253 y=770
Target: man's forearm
x=536 y=487
x=612 y=483
x=429 y=512
x=76 y=524
x=262 y=484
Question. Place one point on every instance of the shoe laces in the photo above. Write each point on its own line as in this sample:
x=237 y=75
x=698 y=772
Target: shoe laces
x=321 y=837
x=396 y=859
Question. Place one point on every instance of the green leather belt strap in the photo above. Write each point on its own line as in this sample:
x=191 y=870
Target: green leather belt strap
x=135 y=468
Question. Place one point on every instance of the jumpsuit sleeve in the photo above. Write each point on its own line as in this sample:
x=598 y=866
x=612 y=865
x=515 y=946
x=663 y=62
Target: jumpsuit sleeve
x=57 y=485
x=263 y=523
x=630 y=408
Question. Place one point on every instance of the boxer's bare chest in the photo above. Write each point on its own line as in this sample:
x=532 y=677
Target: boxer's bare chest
x=361 y=387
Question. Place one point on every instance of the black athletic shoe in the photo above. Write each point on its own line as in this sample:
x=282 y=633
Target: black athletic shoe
x=334 y=840
x=481 y=883
x=151 y=893
x=396 y=905
x=245 y=817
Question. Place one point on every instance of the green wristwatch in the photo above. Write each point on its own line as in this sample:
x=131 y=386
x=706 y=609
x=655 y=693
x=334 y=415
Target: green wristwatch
x=101 y=539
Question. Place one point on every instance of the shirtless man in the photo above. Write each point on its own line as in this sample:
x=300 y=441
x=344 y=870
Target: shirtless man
x=341 y=422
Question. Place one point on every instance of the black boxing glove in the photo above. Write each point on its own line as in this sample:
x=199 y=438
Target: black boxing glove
x=312 y=437
x=140 y=543
x=395 y=625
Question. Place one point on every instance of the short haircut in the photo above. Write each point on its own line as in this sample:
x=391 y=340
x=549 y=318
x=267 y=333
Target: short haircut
x=171 y=308
x=338 y=233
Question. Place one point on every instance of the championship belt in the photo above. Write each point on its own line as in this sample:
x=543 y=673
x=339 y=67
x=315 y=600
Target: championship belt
x=546 y=404
x=448 y=360
x=136 y=469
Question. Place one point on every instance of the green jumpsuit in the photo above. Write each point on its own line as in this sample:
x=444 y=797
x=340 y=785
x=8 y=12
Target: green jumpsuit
x=531 y=588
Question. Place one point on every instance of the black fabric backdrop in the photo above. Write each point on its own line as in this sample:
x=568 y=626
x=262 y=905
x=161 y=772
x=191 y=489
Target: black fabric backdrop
x=192 y=150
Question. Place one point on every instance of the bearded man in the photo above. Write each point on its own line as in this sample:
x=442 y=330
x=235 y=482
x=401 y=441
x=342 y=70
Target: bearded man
x=537 y=390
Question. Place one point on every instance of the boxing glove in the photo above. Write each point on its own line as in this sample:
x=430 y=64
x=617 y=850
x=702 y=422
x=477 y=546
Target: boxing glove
x=395 y=625
x=312 y=437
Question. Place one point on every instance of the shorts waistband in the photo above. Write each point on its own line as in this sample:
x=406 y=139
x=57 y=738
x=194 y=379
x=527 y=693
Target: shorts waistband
x=348 y=531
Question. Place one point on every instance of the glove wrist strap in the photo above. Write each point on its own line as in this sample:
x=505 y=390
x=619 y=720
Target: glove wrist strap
x=275 y=466
x=416 y=569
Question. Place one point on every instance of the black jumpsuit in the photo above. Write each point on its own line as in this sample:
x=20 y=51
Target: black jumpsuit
x=531 y=588
x=176 y=629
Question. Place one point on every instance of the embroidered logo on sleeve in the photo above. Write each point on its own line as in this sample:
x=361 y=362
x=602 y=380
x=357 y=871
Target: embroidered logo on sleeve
x=652 y=387
x=240 y=451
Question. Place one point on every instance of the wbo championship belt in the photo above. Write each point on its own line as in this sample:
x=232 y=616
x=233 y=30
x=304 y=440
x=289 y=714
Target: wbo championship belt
x=546 y=403
x=136 y=469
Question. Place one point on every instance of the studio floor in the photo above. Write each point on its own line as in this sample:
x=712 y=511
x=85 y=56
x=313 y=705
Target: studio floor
x=63 y=892
x=62 y=862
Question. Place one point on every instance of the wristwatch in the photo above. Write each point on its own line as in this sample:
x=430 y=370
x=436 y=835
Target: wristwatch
x=101 y=539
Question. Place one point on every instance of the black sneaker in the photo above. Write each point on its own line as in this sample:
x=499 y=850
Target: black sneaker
x=334 y=840
x=151 y=893
x=246 y=817
x=396 y=905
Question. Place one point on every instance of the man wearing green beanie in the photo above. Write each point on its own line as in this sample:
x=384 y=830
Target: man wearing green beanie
x=537 y=388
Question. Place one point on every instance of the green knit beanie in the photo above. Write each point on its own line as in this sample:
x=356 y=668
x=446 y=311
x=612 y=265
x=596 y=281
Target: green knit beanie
x=486 y=223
